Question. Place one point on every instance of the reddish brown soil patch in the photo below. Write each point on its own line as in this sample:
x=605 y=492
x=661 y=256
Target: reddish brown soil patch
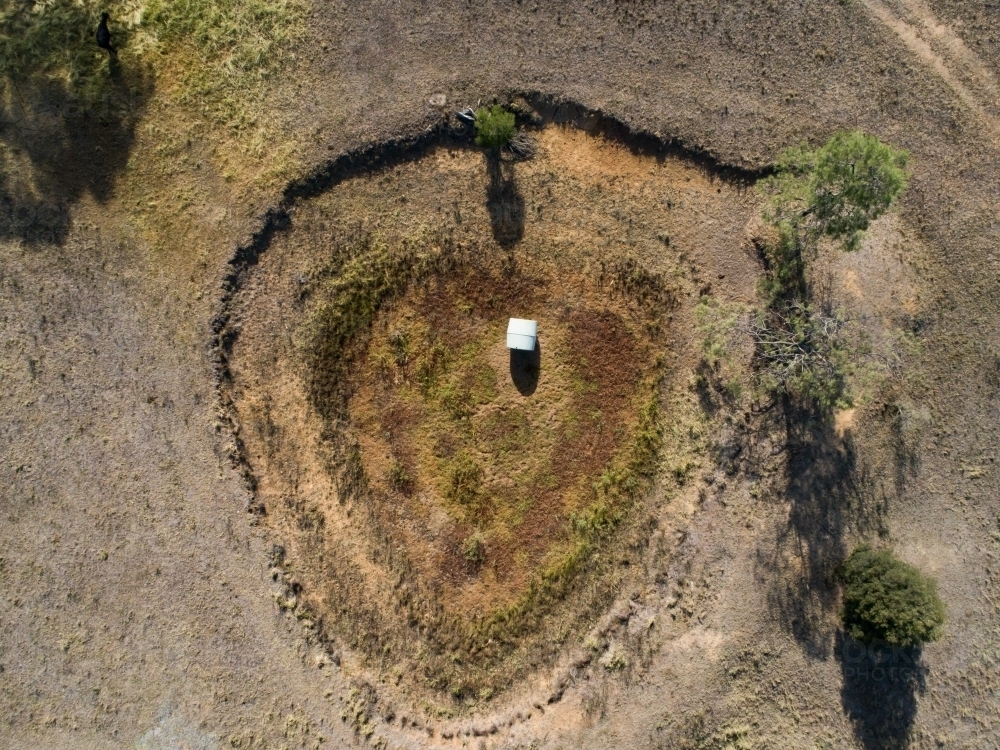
x=477 y=480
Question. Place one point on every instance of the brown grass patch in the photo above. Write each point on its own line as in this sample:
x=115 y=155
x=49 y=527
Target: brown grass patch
x=494 y=476
x=452 y=559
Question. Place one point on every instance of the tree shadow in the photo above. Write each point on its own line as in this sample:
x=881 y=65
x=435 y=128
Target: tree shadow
x=905 y=426
x=525 y=368
x=879 y=693
x=707 y=399
x=60 y=146
x=504 y=201
x=831 y=494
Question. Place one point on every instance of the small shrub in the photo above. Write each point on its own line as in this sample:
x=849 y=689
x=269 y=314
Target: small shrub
x=474 y=548
x=886 y=599
x=494 y=127
x=614 y=660
x=784 y=258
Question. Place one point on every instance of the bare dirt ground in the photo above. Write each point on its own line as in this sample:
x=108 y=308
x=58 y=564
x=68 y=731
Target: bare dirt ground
x=139 y=605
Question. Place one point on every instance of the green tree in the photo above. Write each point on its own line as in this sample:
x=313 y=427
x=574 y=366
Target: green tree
x=494 y=127
x=836 y=191
x=840 y=188
x=886 y=599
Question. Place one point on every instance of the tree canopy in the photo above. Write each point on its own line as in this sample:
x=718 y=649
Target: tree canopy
x=886 y=599
x=840 y=188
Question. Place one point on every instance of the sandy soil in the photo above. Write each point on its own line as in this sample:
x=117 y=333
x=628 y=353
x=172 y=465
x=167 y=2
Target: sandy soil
x=139 y=606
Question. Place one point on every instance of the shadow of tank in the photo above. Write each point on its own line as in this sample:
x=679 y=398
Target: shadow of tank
x=525 y=368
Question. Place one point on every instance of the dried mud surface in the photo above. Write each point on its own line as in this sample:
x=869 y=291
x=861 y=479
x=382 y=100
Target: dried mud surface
x=139 y=605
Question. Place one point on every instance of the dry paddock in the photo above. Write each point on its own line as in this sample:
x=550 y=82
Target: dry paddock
x=139 y=605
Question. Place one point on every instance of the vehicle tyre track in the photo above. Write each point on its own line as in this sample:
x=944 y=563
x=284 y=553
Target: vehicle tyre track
x=944 y=51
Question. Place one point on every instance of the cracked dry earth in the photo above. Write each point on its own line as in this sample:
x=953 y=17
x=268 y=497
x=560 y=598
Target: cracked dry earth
x=142 y=605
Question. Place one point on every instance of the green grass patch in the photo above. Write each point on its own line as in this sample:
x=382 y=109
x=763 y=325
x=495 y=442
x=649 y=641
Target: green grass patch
x=225 y=52
x=234 y=48
x=361 y=276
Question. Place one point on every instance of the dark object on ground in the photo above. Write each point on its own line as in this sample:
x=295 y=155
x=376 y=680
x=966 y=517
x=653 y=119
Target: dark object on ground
x=887 y=600
x=525 y=368
x=104 y=35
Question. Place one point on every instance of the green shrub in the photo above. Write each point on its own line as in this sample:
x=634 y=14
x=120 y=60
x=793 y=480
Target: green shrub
x=494 y=127
x=839 y=188
x=473 y=548
x=886 y=599
x=784 y=258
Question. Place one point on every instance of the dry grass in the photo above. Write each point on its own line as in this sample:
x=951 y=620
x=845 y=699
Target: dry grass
x=495 y=497
x=449 y=549
x=529 y=475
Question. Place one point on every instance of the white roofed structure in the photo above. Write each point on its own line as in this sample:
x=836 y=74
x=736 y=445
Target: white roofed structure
x=522 y=334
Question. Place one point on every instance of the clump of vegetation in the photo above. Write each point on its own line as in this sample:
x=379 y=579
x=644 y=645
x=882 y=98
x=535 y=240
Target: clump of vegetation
x=399 y=478
x=431 y=364
x=840 y=188
x=784 y=257
x=465 y=482
x=836 y=191
x=719 y=324
x=474 y=548
x=456 y=400
x=494 y=127
x=399 y=341
x=887 y=600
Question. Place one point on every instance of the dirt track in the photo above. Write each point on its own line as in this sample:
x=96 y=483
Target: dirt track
x=138 y=605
